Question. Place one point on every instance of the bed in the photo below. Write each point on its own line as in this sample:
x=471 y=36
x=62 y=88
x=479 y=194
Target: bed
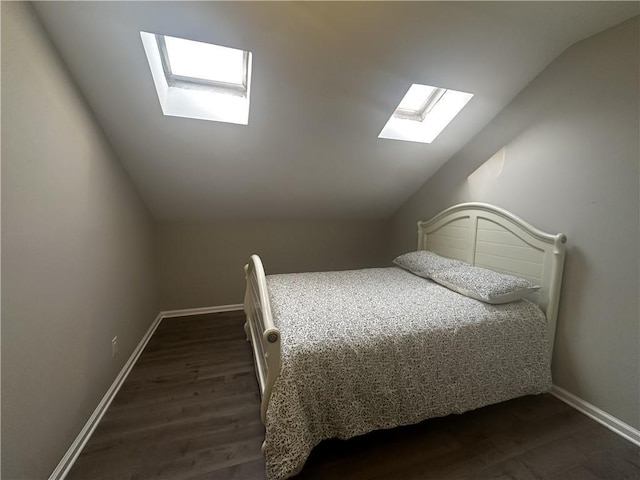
x=339 y=354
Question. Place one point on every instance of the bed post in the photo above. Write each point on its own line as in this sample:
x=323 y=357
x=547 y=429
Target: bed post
x=559 y=246
x=261 y=331
x=247 y=327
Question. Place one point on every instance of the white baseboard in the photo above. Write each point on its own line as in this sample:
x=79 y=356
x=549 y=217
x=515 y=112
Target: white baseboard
x=612 y=423
x=202 y=310
x=81 y=440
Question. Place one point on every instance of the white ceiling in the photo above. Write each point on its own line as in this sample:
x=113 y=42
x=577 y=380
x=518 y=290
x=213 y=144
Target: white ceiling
x=326 y=78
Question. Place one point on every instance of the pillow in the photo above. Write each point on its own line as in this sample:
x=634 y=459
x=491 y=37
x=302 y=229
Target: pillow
x=485 y=285
x=424 y=263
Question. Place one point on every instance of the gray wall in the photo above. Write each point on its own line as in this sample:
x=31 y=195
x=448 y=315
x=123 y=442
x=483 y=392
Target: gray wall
x=201 y=264
x=571 y=164
x=78 y=262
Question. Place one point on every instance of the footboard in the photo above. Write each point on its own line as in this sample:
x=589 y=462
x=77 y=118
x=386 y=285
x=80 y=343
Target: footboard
x=261 y=331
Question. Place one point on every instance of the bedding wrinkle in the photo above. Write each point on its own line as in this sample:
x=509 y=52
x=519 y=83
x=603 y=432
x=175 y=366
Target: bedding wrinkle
x=389 y=349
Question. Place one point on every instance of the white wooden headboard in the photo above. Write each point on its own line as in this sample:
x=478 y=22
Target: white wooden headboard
x=490 y=237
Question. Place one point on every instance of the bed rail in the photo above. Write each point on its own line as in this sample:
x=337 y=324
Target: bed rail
x=261 y=331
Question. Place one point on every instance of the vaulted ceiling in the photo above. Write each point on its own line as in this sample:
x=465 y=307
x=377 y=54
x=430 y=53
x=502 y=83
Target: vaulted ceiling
x=326 y=78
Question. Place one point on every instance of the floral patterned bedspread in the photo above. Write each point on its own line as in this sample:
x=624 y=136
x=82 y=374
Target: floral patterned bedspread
x=379 y=348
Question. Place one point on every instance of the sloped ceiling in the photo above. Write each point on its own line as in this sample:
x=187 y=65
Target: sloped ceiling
x=326 y=77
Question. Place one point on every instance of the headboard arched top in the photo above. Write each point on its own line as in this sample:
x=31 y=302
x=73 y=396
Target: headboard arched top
x=491 y=237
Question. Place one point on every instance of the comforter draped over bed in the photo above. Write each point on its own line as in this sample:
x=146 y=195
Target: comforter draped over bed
x=378 y=348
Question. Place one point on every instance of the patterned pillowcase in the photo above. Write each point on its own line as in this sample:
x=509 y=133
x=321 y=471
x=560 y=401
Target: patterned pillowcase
x=424 y=263
x=485 y=285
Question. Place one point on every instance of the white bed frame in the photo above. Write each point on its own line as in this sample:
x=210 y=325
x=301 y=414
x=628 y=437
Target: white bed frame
x=477 y=233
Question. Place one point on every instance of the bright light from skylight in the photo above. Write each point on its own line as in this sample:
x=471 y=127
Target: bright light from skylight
x=205 y=61
x=423 y=113
x=199 y=80
x=416 y=97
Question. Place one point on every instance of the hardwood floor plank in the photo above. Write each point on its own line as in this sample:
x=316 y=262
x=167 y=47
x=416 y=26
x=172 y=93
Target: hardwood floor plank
x=576 y=473
x=190 y=410
x=244 y=471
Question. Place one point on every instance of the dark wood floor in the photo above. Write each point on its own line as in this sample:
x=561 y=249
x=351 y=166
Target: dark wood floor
x=190 y=410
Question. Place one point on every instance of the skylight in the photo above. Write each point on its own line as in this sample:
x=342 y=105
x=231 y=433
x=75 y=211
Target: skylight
x=418 y=101
x=199 y=80
x=423 y=113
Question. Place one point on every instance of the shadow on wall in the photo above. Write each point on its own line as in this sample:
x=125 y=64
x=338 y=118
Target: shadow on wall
x=481 y=180
x=481 y=162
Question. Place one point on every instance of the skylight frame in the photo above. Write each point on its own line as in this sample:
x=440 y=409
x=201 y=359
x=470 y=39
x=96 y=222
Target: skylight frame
x=425 y=123
x=180 y=81
x=427 y=105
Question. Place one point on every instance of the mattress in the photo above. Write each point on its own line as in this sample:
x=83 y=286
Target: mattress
x=378 y=348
